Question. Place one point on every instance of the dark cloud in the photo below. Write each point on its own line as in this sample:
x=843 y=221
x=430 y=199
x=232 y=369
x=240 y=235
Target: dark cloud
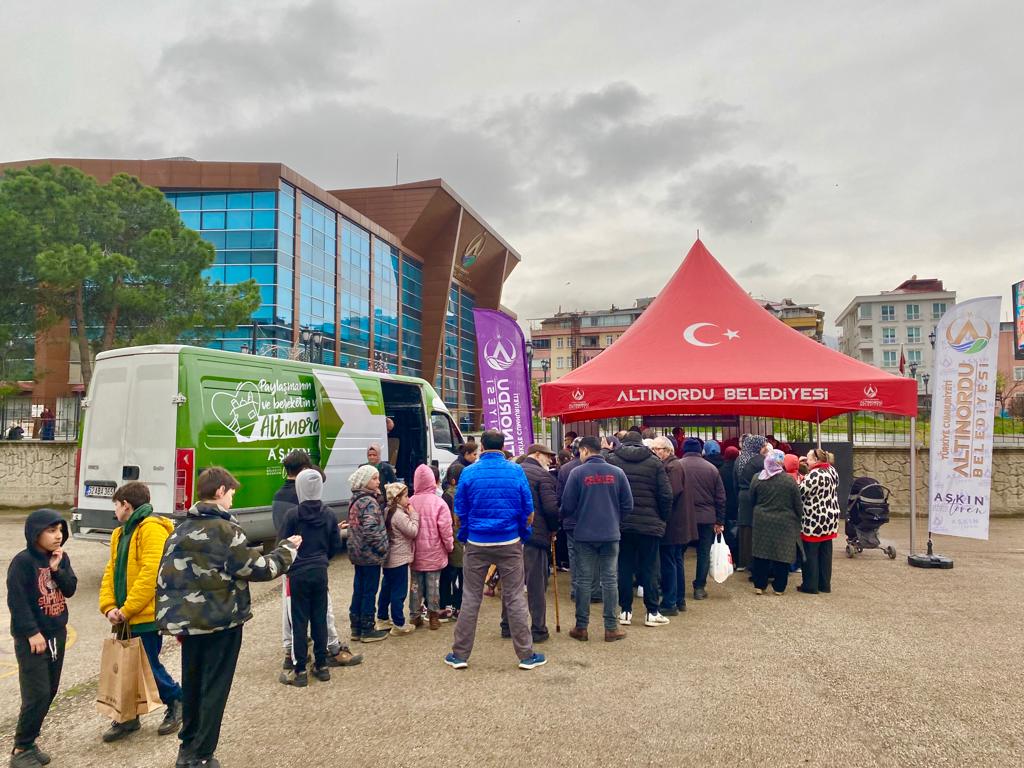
x=758 y=269
x=262 y=55
x=737 y=198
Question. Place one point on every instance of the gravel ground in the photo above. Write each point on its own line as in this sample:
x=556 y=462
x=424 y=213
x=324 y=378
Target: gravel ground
x=898 y=667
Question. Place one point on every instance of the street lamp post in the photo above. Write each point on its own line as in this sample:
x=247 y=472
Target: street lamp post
x=931 y=338
x=312 y=340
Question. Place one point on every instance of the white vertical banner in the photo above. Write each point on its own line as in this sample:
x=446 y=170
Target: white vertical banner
x=963 y=413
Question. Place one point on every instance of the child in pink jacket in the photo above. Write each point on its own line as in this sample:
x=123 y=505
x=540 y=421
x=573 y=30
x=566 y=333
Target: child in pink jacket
x=434 y=541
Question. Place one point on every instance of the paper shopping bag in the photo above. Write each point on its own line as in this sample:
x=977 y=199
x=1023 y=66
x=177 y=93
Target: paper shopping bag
x=119 y=679
x=147 y=695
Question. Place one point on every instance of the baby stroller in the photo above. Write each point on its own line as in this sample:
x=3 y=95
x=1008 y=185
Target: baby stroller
x=867 y=510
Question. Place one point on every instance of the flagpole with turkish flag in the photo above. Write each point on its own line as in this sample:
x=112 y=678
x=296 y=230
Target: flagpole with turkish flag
x=903 y=362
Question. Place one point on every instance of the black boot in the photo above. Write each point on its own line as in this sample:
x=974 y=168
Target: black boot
x=172 y=719
x=118 y=731
x=369 y=634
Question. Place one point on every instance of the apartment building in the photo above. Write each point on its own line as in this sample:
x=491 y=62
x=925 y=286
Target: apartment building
x=873 y=328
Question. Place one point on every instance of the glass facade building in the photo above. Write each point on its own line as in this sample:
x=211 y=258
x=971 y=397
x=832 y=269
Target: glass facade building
x=383 y=278
x=360 y=292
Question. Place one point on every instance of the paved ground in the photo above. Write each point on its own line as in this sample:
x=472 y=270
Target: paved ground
x=898 y=667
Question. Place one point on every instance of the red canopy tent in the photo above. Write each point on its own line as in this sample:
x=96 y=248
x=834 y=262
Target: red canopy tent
x=705 y=347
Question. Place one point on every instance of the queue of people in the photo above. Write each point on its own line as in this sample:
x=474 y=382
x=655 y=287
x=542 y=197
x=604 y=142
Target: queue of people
x=627 y=507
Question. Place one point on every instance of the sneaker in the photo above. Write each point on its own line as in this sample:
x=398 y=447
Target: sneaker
x=446 y=615
x=611 y=635
x=579 y=633
x=405 y=629
x=669 y=611
x=297 y=679
x=118 y=731
x=699 y=593
x=345 y=658
x=455 y=662
x=383 y=624
x=625 y=618
x=172 y=720
x=323 y=674
x=287 y=663
x=758 y=591
x=532 y=662
x=540 y=637
x=655 y=620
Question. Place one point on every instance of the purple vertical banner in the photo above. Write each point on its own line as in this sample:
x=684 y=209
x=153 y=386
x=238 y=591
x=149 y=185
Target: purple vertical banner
x=504 y=378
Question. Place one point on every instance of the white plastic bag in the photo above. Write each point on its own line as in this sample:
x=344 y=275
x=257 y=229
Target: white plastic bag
x=721 y=560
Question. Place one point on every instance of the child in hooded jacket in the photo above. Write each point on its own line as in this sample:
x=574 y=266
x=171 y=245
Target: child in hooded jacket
x=451 y=576
x=434 y=540
x=39 y=581
x=402 y=522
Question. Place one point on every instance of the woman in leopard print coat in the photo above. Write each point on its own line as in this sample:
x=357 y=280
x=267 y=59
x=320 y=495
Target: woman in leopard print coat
x=820 y=524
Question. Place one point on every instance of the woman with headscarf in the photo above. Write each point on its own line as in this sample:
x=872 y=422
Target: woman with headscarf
x=791 y=463
x=748 y=464
x=777 y=515
x=820 y=523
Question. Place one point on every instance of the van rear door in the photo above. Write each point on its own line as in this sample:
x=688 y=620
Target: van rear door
x=129 y=434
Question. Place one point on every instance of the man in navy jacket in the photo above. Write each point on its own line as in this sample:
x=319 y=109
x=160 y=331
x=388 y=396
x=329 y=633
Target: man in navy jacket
x=494 y=504
x=596 y=498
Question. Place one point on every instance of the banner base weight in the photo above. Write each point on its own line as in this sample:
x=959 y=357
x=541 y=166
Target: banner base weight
x=930 y=561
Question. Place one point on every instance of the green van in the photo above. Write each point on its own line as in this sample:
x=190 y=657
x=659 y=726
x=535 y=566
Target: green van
x=160 y=414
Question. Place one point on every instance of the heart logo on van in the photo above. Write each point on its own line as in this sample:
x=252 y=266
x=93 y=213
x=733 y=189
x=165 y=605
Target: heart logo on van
x=238 y=411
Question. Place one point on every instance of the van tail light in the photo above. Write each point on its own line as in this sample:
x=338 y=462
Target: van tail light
x=78 y=472
x=184 y=477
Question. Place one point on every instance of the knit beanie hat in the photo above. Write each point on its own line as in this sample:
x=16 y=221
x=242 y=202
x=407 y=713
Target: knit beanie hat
x=712 y=448
x=731 y=453
x=309 y=486
x=362 y=476
x=394 y=491
x=691 y=445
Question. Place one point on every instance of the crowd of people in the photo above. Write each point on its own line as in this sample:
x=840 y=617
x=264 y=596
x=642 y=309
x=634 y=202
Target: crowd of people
x=625 y=506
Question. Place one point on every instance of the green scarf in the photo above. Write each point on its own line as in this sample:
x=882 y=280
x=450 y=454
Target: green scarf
x=121 y=561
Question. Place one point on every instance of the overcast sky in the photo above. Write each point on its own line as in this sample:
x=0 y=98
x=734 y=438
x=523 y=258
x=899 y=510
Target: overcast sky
x=823 y=149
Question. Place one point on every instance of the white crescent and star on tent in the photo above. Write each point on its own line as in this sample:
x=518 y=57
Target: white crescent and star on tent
x=690 y=334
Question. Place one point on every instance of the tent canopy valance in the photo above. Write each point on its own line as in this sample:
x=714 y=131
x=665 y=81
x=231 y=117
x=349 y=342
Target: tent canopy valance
x=705 y=347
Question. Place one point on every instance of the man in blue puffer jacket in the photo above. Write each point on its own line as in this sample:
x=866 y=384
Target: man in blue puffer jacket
x=494 y=504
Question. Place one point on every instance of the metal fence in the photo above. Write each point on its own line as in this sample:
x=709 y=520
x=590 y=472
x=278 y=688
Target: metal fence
x=27 y=418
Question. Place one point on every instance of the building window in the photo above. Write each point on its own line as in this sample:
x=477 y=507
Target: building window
x=890 y=358
x=938 y=310
x=913 y=311
x=386 y=270
x=1018 y=373
x=354 y=296
x=318 y=271
x=560 y=343
x=608 y=340
x=914 y=356
x=412 y=316
x=560 y=362
x=888 y=335
x=888 y=312
x=913 y=335
x=865 y=311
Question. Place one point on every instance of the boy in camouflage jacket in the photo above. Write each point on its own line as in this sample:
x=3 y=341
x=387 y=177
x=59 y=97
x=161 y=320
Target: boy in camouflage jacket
x=203 y=598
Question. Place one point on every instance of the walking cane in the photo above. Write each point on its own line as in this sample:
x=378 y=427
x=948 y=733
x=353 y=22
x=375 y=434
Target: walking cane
x=554 y=572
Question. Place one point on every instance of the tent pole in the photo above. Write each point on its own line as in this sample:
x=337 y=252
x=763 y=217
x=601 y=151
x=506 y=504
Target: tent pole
x=913 y=481
x=818 y=421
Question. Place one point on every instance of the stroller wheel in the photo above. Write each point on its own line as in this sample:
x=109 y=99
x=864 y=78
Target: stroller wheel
x=849 y=551
x=891 y=552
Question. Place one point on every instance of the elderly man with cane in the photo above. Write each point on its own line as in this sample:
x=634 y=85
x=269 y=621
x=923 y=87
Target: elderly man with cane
x=536 y=549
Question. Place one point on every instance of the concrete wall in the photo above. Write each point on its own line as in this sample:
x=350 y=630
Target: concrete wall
x=37 y=474
x=891 y=466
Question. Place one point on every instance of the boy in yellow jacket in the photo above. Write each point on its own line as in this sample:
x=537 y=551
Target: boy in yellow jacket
x=128 y=593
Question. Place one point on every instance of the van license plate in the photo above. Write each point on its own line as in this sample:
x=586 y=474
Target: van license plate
x=100 y=491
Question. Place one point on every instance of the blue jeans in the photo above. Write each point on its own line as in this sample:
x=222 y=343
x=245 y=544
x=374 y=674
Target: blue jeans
x=706 y=537
x=364 y=592
x=393 y=593
x=593 y=559
x=152 y=642
x=570 y=546
x=673 y=582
